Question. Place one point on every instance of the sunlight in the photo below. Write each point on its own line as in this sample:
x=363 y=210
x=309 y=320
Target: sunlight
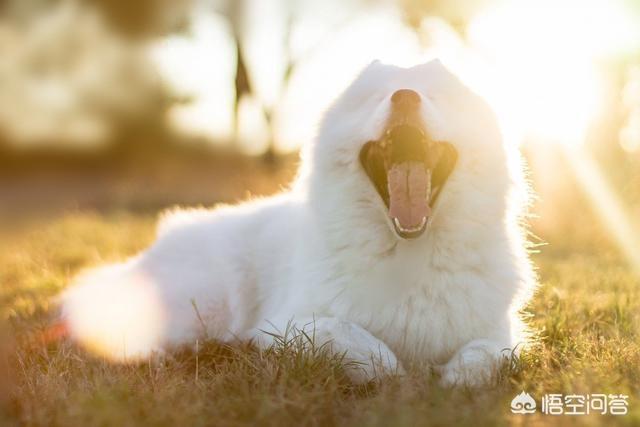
x=543 y=82
x=542 y=77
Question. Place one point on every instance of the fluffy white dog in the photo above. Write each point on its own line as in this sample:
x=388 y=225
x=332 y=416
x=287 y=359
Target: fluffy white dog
x=399 y=243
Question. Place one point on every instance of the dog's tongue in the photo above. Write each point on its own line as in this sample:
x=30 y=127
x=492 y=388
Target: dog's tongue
x=408 y=199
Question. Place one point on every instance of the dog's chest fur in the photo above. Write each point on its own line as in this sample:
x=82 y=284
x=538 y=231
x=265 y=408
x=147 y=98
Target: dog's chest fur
x=423 y=312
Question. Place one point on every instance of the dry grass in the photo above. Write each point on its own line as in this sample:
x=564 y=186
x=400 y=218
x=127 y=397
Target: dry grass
x=586 y=313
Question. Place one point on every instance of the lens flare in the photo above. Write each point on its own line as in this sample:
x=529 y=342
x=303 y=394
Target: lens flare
x=114 y=315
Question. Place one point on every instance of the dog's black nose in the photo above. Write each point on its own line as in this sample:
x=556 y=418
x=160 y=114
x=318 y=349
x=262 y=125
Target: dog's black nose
x=405 y=98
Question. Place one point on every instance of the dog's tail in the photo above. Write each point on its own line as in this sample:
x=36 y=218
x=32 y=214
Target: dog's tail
x=114 y=312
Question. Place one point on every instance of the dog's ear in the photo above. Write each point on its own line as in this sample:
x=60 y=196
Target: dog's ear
x=372 y=65
x=434 y=64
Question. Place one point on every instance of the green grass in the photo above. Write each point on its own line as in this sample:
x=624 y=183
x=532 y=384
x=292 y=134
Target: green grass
x=586 y=313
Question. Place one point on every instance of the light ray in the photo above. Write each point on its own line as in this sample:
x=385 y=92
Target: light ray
x=605 y=203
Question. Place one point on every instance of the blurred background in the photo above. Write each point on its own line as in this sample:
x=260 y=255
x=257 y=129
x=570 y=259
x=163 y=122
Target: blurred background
x=112 y=105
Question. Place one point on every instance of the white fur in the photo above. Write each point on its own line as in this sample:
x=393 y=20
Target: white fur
x=323 y=255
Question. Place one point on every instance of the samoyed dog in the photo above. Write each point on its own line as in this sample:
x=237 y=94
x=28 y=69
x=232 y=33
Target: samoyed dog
x=399 y=244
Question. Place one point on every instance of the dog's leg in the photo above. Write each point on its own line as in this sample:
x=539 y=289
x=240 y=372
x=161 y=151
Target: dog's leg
x=474 y=365
x=366 y=357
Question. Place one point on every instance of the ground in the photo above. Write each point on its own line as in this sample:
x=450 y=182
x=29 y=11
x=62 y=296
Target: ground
x=585 y=315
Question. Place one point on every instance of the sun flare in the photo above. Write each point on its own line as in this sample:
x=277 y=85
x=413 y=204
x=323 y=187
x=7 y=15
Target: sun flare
x=542 y=78
x=542 y=74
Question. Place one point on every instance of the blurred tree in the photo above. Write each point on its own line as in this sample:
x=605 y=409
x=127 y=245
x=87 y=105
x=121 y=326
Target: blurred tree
x=235 y=12
x=145 y=18
x=140 y=18
x=68 y=80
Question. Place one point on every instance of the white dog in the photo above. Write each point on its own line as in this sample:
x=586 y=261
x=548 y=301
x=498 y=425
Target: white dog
x=399 y=243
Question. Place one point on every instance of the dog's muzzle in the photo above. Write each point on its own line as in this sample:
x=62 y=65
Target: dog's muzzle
x=408 y=168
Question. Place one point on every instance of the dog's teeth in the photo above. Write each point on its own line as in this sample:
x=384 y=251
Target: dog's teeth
x=396 y=222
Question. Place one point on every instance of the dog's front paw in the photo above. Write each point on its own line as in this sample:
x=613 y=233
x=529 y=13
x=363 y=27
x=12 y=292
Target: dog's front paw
x=475 y=365
x=455 y=374
x=366 y=357
x=363 y=365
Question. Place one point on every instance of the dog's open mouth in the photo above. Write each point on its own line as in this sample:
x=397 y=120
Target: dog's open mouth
x=408 y=170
